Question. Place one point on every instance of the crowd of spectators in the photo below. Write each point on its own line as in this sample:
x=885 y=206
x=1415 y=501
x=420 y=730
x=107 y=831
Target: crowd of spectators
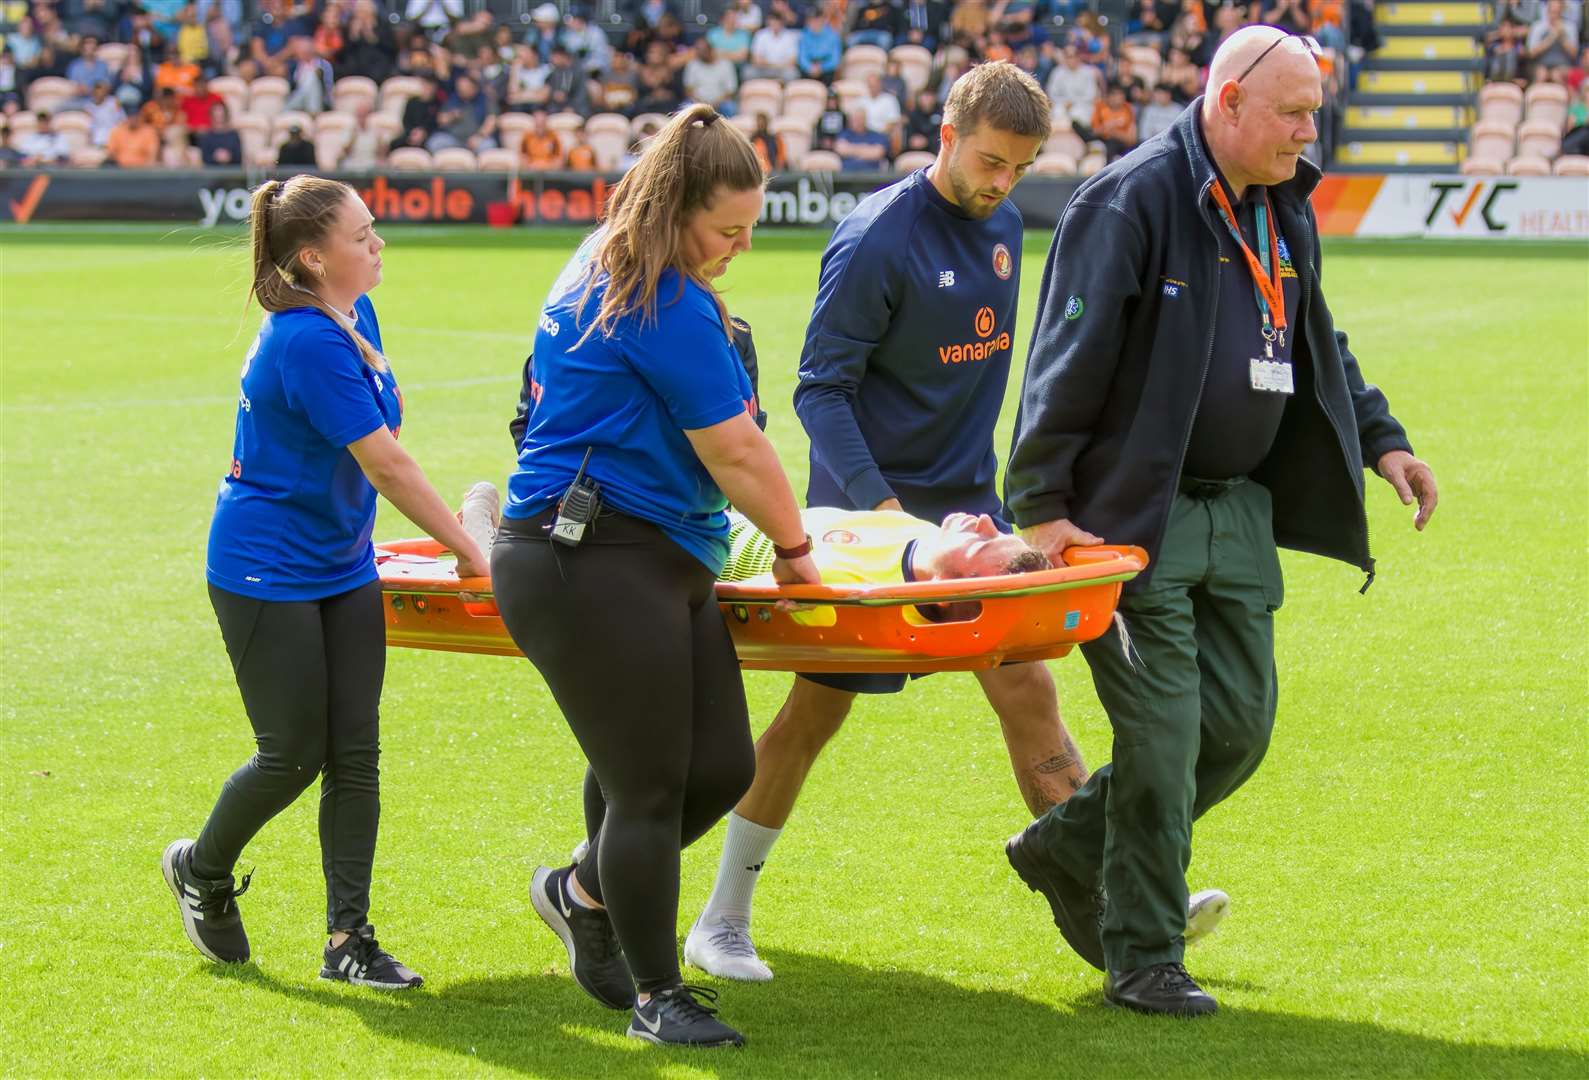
x=145 y=75
x=1534 y=111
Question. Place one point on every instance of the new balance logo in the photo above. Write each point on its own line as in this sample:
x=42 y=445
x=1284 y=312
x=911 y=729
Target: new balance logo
x=946 y=279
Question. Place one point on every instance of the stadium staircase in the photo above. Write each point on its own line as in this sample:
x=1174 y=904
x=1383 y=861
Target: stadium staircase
x=1414 y=101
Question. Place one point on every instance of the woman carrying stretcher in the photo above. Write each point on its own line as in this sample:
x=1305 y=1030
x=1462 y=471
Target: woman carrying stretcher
x=612 y=537
x=292 y=573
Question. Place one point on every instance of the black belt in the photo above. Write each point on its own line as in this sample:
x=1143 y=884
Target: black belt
x=1198 y=488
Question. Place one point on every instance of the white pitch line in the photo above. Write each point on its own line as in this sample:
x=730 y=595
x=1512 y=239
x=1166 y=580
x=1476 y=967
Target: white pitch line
x=523 y=337
x=205 y=402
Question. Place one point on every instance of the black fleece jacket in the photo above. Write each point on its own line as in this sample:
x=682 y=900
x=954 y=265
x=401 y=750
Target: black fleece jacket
x=1121 y=347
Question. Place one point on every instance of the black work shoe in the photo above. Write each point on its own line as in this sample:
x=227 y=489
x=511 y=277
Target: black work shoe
x=209 y=908
x=1078 y=907
x=360 y=960
x=594 y=955
x=1160 y=989
x=682 y=1015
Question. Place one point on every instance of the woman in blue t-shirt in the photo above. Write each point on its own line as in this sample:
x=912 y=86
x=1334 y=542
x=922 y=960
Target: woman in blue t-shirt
x=292 y=573
x=637 y=383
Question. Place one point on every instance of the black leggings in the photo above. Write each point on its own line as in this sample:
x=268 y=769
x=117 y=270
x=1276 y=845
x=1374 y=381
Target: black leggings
x=311 y=674
x=626 y=631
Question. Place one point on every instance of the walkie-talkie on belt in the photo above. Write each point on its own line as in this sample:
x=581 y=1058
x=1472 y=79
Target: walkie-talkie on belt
x=578 y=508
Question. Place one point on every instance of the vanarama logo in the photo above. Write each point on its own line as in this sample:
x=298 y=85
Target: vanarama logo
x=986 y=324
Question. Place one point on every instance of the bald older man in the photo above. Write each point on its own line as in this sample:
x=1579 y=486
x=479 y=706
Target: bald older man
x=1187 y=391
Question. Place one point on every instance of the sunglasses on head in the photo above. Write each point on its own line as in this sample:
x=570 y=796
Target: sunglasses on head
x=1310 y=43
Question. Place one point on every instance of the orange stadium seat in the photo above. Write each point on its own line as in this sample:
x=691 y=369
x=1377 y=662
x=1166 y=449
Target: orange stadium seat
x=805 y=99
x=862 y=61
x=821 y=161
x=1546 y=103
x=349 y=90
x=1501 y=103
x=233 y=91
x=911 y=160
x=796 y=135
x=1571 y=165
x=49 y=92
x=1482 y=167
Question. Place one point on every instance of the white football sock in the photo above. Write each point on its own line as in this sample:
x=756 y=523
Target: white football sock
x=745 y=850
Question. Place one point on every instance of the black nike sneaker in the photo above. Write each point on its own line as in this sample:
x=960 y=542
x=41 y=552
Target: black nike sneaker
x=594 y=955
x=1077 y=906
x=682 y=1015
x=360 y=960
x=209 y=908
x=1159 y=989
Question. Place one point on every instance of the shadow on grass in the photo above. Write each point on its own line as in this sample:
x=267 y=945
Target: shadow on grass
x=825 y=1017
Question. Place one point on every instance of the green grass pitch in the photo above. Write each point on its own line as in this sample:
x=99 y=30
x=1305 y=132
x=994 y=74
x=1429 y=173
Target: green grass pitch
x=1408 y=868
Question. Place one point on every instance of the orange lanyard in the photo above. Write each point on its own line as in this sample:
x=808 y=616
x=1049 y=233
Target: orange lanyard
x=1265 y=270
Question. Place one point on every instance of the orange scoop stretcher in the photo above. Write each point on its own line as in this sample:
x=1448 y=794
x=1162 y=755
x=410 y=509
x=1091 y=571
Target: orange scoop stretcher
x=837 y=628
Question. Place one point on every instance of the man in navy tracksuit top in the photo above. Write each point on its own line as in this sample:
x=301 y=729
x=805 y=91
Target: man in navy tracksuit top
x=903 y=373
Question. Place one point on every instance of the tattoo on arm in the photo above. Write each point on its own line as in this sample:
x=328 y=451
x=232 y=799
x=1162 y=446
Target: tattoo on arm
x=1057 y=763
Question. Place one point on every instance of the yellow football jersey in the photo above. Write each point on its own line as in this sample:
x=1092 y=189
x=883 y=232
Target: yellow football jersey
x=849 y=546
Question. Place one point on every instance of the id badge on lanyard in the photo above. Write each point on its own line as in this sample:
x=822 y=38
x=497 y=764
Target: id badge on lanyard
x=1266 y=374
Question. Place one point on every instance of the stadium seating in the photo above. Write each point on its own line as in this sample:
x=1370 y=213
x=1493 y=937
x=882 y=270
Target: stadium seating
x=1539 y=138
x=254 y=133
x=48 y=93
x=454 y=159
x=862 y=61
x=1501 y=103
x=511 y=127
x=498 y=159
x=233 y=91
x=75 y=127
x=915 y=66
x=795 y=132
x=565 y=125
x=1528 y=166
x=1054 y=164
x=1546 y=103
x=911 y=160
x=760 y=96
x=410 y=159
x=608 y=135
x=351 y=90
x=1482 y=167
x=113 y=54
x=267 y=95
x=821 y=161
x=396 y=91
x=1492 y=141
x=850 y=92
x=1066 y=143
x=804 y=100
x=1571 y=165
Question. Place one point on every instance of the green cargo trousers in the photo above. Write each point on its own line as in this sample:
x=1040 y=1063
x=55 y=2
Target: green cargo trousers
x=1192 y=707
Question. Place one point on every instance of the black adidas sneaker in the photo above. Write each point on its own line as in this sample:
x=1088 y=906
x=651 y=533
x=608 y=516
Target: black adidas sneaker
x=682 y=1015
x=209 y=908
x=360 y=960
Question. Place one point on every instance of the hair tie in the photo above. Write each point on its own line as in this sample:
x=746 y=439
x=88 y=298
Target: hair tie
x=711 y=118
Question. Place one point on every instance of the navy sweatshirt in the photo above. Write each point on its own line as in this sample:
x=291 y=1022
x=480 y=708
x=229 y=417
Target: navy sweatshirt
x=908 y=353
